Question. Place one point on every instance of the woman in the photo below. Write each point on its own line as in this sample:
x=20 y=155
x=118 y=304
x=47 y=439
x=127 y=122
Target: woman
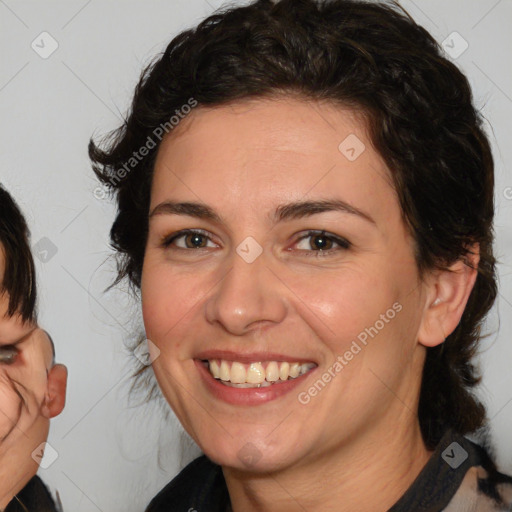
x=305 y=201
x=32 y=386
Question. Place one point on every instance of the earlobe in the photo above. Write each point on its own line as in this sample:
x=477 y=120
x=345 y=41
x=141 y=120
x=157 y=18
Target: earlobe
x=447 y=296
x=55 y=397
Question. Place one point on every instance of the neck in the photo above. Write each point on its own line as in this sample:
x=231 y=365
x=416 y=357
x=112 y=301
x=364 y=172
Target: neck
x=354 y=476
x=12 y=483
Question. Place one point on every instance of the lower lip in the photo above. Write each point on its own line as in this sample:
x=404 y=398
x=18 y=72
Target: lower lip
x=247 y=396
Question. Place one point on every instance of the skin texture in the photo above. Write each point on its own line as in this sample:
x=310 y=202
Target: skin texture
x=31 y=392
x=356 y=445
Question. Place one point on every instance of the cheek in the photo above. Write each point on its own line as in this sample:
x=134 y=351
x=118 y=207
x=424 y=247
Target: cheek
x=156 y=294
x=168 y=299
x=346 y=302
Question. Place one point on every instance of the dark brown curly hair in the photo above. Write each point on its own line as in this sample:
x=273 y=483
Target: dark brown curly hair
x=418 y=105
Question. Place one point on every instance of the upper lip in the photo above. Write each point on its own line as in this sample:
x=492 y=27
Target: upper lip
x=250 y=357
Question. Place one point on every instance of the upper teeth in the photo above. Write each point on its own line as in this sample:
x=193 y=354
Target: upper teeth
x=256 y=373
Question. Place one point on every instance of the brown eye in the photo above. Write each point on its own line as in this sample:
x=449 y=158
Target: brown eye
x=189 y=239
x=321 y=242
x=8 y=354
x=193 y=240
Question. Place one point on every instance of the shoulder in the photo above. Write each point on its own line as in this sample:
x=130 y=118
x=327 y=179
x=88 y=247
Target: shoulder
x=460 y=475
x=200 y=485
x=484 y=485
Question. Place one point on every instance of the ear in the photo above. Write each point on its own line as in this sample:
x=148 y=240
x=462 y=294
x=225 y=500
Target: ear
x=447 y=295
x=55 y=398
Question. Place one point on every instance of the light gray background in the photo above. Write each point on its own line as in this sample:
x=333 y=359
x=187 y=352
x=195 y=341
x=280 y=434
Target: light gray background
x=50 y=107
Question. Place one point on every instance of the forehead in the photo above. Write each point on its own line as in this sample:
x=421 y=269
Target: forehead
x=256 y=153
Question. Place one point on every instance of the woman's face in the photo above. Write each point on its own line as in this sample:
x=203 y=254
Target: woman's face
x=252 y=286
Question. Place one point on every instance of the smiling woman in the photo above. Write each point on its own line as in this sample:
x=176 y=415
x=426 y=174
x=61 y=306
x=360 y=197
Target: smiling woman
x=313 y=248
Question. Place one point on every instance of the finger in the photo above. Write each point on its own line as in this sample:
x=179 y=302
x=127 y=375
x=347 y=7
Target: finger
x=19 y=409
x=11 y=404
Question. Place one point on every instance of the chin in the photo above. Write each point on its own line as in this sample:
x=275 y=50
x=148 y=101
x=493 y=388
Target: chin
x=254 y=455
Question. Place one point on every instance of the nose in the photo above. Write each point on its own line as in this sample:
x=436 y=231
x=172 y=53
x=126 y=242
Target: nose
x=249 y=296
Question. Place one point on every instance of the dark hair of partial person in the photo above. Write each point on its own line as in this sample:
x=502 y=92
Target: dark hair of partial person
x=19 y=279
x=418 y=106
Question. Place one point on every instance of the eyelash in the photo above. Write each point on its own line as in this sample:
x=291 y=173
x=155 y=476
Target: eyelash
x=344 y=244
x=8 y=348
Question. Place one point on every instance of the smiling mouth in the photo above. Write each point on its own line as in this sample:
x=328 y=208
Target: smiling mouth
x=255 y=375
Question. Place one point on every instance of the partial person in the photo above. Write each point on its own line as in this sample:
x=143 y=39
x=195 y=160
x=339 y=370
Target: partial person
x=32 y=385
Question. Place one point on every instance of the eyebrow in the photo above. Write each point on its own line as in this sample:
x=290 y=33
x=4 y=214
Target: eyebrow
x=283 y=212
